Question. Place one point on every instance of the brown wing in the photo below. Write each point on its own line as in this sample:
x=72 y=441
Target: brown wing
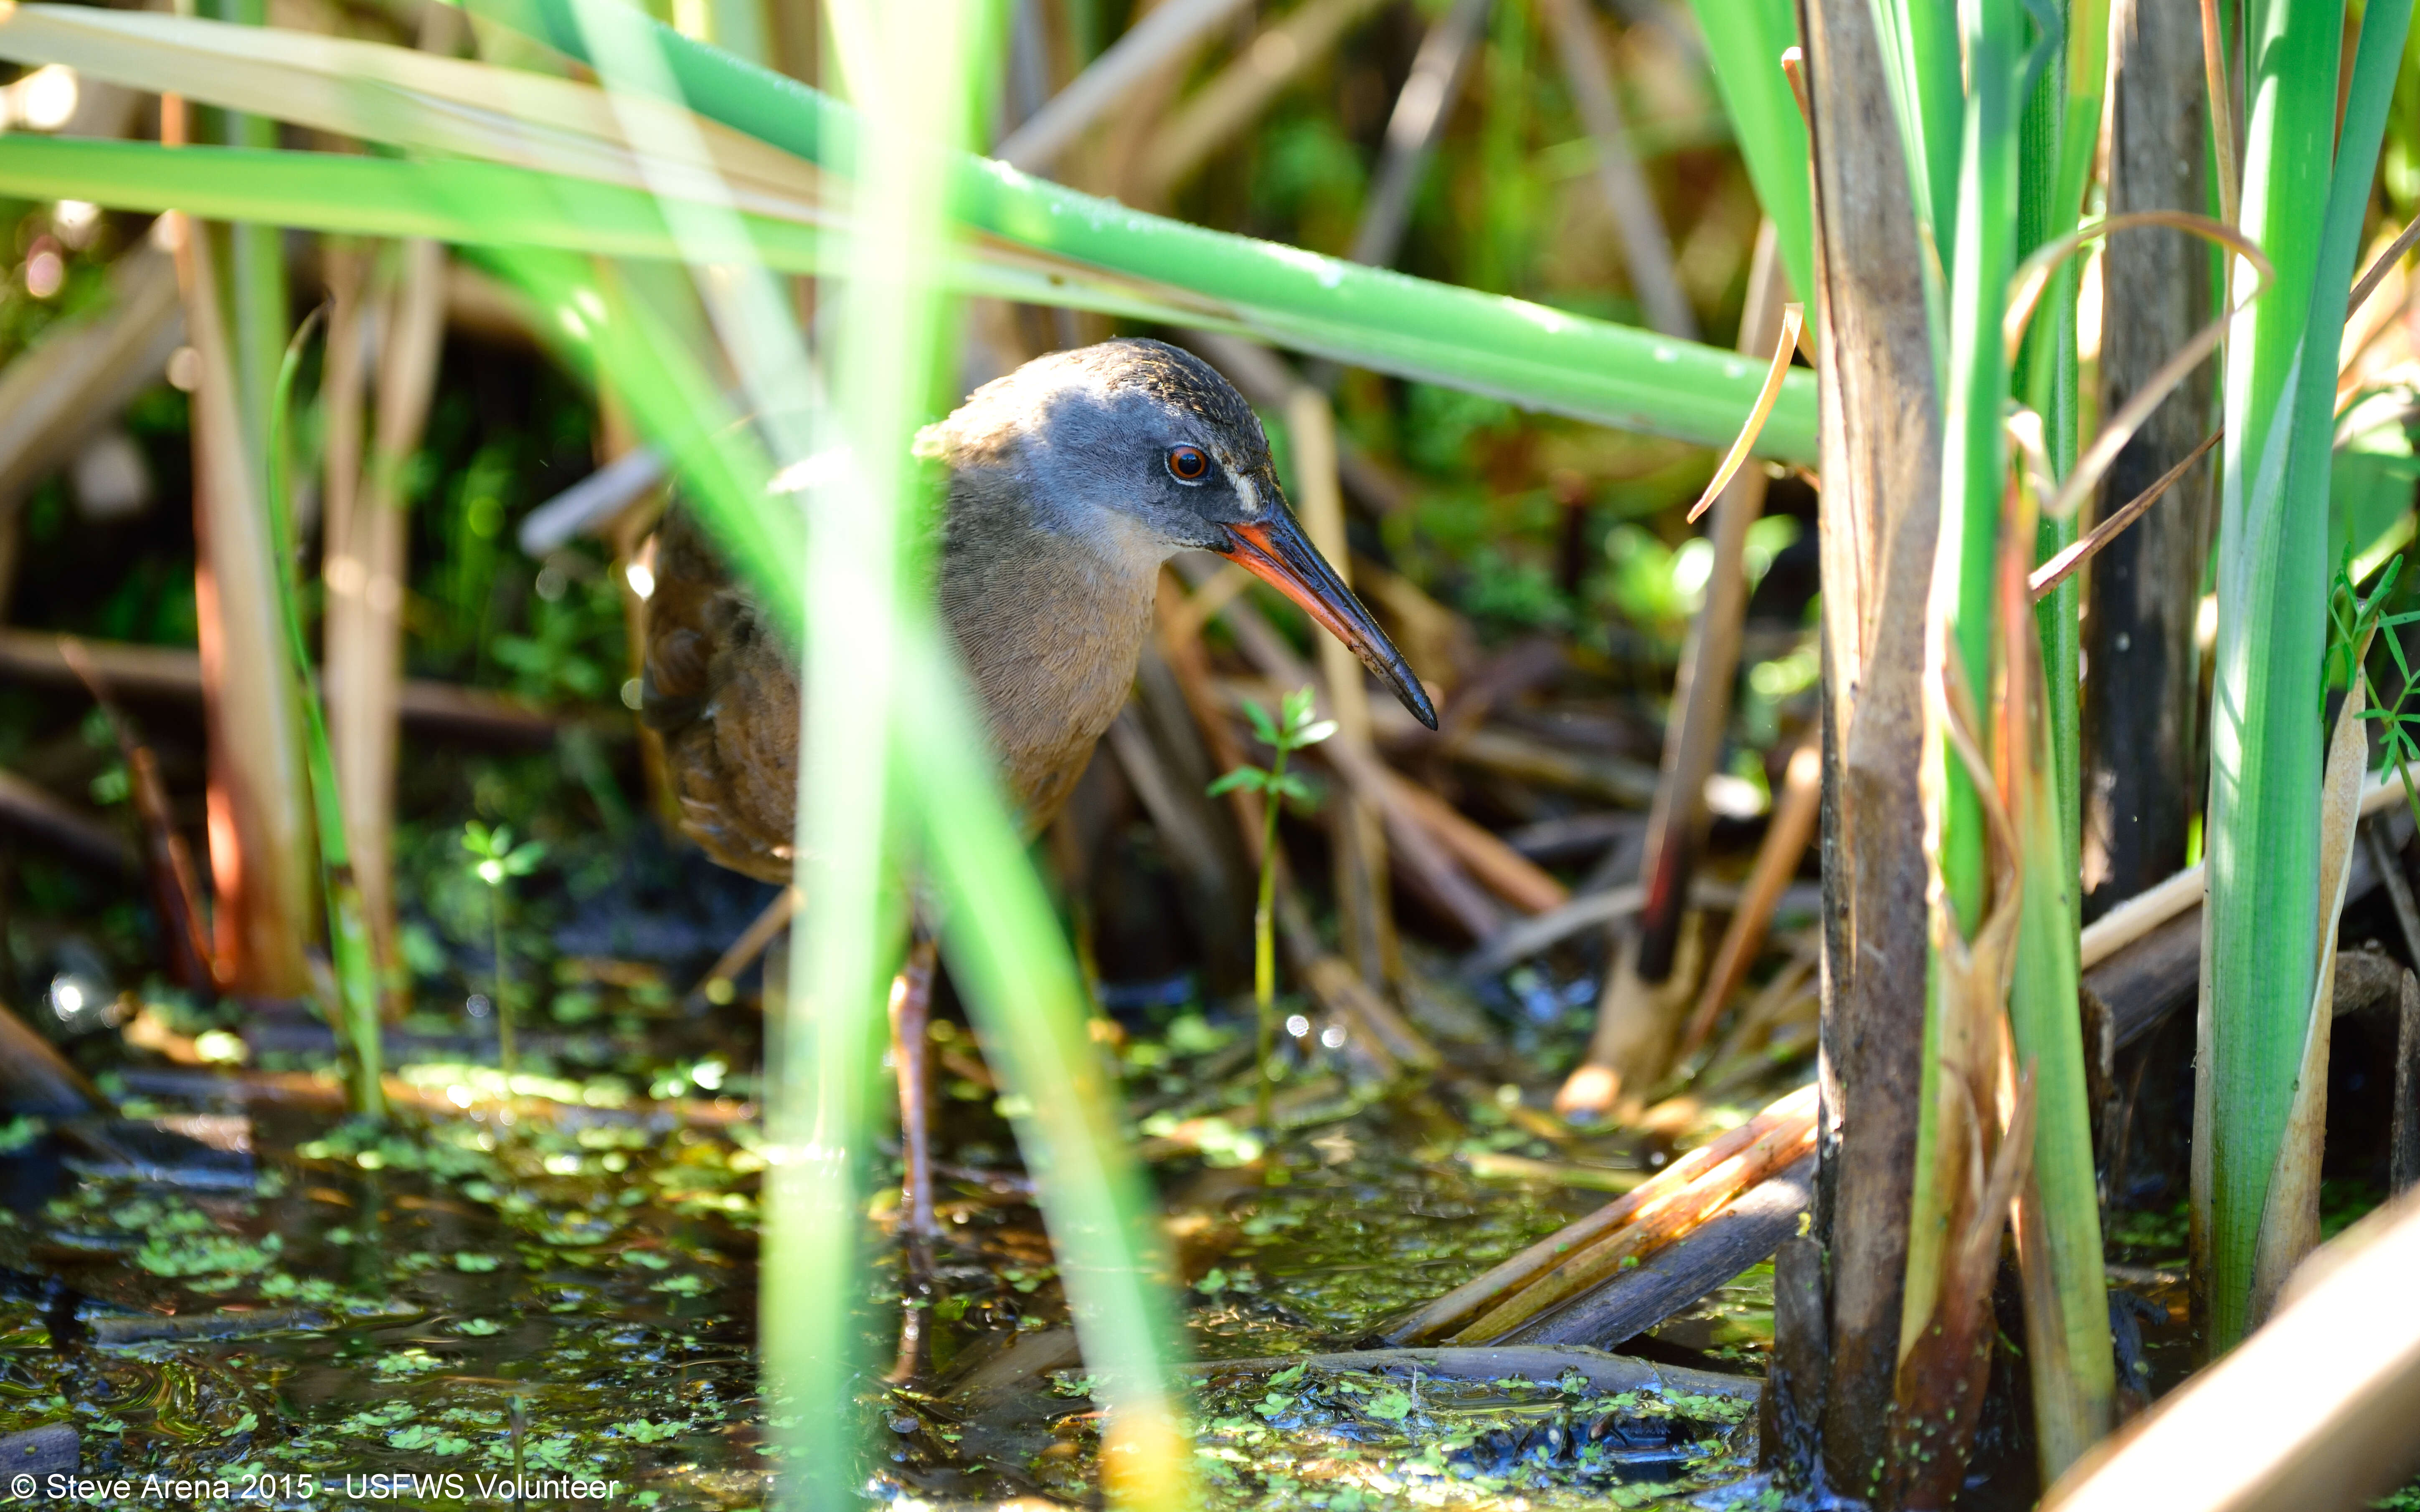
x=722 y=694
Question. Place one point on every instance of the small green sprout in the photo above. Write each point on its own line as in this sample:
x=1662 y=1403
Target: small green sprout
x=495 y=859
x=1294 y=728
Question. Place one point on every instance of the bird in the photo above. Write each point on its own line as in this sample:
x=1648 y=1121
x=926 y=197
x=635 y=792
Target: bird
x=1072 y=480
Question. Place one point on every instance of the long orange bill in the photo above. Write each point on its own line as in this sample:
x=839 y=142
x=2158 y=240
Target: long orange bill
x=1274 y=549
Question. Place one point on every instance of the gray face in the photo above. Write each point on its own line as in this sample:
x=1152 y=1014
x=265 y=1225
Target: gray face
x=1133 y=444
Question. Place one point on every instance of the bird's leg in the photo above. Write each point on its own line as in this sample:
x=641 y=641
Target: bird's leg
x=911 y=1002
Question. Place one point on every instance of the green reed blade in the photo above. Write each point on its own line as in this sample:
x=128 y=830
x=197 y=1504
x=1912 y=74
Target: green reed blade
x=477 y=204
x=2068 y=1352
x=2049 y=204
x=1921 y=66
x=2248 y=1155
x=2260 y=950
x=1973 y=468
x=1525 y=353
x=1973 y=461
x=1015 y=970
x=1007 y=947
x=1745 y=39
x=823 y=1037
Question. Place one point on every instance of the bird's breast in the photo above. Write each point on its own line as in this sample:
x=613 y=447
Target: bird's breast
x=1051 y=643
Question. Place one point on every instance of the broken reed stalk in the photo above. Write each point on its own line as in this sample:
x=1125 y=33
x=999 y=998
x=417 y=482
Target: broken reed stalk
x=2068 y=560
x=1653 y=1223
x=1881 y=491
x=1365 y=915
x=1654 y=977
x=1786 y=838
x=258 y=790
x=2381 y=266
x=1489 y=1289
x=365 y=566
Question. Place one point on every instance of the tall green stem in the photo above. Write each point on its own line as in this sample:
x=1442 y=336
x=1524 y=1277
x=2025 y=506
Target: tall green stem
x=506 y=1058
x=1960 y=619
x=1264 y=955
x=2068 y=1348
x=2259 y=948
x=256 y=273
x=2048 y=205
x=348 y=937
x=1974 y=462
x=1371 y=318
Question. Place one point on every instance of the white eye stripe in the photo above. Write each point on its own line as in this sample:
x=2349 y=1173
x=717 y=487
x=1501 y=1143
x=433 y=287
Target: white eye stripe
x=1247 y=497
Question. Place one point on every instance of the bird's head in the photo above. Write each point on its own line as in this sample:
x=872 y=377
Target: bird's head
x=1143 y=448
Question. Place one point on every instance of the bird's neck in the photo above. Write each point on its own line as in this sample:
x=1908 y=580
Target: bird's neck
x=1050 y=613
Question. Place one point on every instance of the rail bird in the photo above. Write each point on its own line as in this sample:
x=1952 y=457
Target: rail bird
x=1072 y=480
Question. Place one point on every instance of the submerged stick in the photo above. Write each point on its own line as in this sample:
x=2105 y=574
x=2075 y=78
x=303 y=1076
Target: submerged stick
x=1605 y=1372
x=1502 y=1279
x=34 y=1078
x=1653 y=1225
x=1631 y=1302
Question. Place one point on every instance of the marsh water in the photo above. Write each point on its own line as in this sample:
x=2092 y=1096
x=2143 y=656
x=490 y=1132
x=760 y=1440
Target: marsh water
x=301 y=1307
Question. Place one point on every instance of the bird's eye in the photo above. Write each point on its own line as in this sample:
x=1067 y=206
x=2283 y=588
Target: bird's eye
x=1188 y=464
